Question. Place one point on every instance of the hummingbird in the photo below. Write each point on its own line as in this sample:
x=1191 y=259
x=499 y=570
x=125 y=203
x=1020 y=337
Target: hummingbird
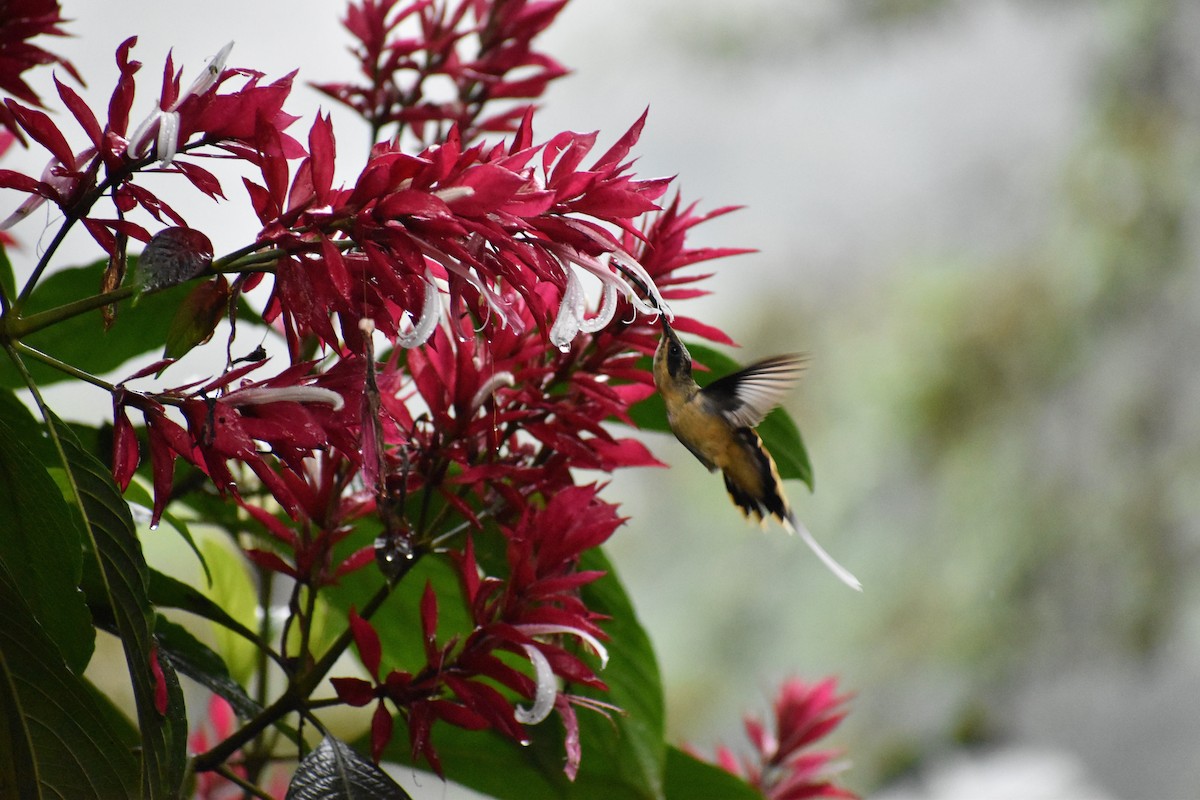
x=716 y=423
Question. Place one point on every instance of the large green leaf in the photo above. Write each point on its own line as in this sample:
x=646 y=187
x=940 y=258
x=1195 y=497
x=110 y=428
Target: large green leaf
x=233 y=590
x=688 y=778
x=622 y=756
x=778 y=431
x=58 y=738
x=140 y=327
x=115 y=578
x=39 y=537
x=191 y=657
x=82 y=341
x=168 y=592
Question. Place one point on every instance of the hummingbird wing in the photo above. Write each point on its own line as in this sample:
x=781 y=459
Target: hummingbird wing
x=746 y=396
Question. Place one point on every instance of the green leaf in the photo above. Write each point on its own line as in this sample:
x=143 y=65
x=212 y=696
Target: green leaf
x=689 y=778
x=8 y=281
x=82 y=341
x=191 y=657
x=40 y=545
x=630 y=749
x=137 y=494
x=233 y=590
x=58 y=738
x=334 y=771
x=622 y=756
x=116 y=578
x=402 y=643
x=778 y=431
x=167 y=592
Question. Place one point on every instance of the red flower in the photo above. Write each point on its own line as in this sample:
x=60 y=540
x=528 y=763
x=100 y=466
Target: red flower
x=484 y=50
x=782 y=767
x=535 y=611
x=20 y=21
x=294 y=414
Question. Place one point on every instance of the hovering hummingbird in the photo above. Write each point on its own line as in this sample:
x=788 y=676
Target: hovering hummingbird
x=717 y=424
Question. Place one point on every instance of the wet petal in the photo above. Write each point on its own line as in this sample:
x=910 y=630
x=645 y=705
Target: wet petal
x=547 y=689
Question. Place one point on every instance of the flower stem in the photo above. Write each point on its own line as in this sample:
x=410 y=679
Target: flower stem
x=295 y=697
x=62 y=366
x=20 y=327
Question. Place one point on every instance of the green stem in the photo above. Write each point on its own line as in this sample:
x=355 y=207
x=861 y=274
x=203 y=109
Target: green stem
x=247 y=787
x=62 y=366
x=294 y=697
x=20 y=327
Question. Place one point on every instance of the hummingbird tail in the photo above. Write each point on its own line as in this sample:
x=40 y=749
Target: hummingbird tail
x=795 y=526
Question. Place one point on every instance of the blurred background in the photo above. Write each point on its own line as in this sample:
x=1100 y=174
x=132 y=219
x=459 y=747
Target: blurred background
x=979 y=219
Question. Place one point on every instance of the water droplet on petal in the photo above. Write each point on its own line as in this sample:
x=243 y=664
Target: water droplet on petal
x=154 y=526
x=525 y=742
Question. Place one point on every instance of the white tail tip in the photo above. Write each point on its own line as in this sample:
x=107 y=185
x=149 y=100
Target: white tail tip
x=844 y=575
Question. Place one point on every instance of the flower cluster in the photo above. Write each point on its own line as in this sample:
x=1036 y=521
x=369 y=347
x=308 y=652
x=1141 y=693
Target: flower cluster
x=782 y=767
x=21 y=21
x=534 y=611
x=483 y=50
x=513 y=288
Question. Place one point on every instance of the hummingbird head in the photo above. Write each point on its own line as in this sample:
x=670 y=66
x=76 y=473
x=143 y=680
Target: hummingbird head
x=672 y=361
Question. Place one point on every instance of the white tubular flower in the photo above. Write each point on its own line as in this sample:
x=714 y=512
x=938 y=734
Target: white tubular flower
x=544 y=694
x=166 y=139
x=572 y=311
x=431 y=313
x=628 y=267
x=259 y=395
x=552 y=630
x=493 y=300
x=655 y=305
x=207 y=77
x=489 y=388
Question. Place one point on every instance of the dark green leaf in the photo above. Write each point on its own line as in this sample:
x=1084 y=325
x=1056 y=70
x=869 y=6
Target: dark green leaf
x=630 y=750
x=82 y=341
x=8 y=282
x=688 y=778
x=58 y=738
x=116 y=576
x=334 y=771
x=196 y=660
x=40 y=545
x=167 y=592
x=779 y=433
x=400 y=637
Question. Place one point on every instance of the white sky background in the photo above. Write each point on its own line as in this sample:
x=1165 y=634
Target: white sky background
x=856 y=152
